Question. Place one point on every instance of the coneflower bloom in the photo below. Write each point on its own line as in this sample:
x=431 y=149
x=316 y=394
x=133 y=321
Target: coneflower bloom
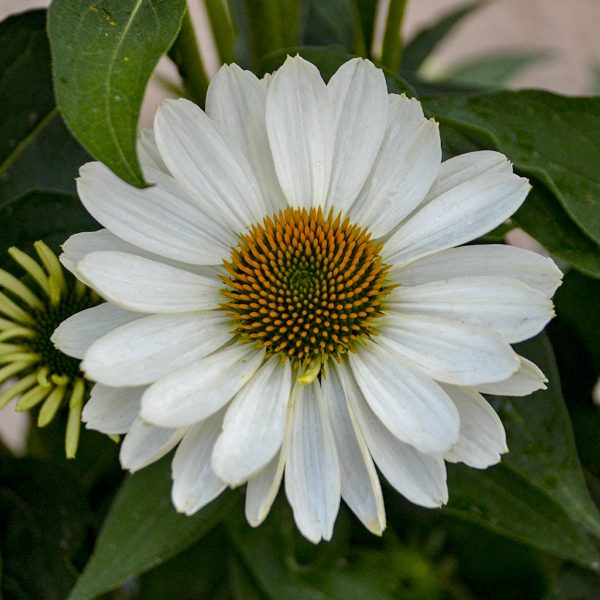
x=287 y=300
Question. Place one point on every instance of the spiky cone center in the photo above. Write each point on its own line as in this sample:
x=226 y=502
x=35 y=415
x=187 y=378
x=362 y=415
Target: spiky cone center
x=306 y=286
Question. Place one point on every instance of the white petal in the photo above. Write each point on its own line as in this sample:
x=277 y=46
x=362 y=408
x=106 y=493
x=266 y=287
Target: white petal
x=254 y=423
x=194 y=482
x=80 y=244
x=312 y=473
x=262 y=489
x=466 y=167
x=360 y=484
x=527 y=379
x=457 y=216
x=421 y=478
x=405 y=168
x=413 y=407
x=299 y=125
x=77 y=333
x=112 y=410
x=448 y=351
x=482 y=438
x=493 y=260
x=150 y=348
x=207 y=164
x=148 y=151
x=143 y=285
x=161 y=218
x=237 y=99
x=359 y=99
x=145 y=444
x=200 y=389
x=506 y=306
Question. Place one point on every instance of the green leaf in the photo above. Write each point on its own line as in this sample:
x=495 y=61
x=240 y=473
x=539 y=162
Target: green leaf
x=507 y=504
x=494 y=70
x=577 y=301
x=545 y=219
x=537 y=495
x=555 y=139
x=332 y=22
x=328 y=59
x=40 y=216
x=42 y=527
x=31 y=568
x=198 y=572
x=261 y=551
x=542 y=444
x=573 y=583
x=36 y=150
x=426 y=40
x=142 y=530
x=103 y=54
x=274 y=561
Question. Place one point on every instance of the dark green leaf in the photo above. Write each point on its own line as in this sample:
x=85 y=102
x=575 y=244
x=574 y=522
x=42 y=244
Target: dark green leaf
x=424 y=42
x=44 y=517
x=577 y=301
x=275 y=561
x=541 y=215
x=555 y=139
x=103 y=54
x=502 y=501
x=31 y=568
x=36 y=150
x=142 y=530
x=545 y=219
x=41 y=216
x=54 y=497
x=332 y=22
x=242 y=585
x=328 y=60
x=495 y=70
x=541 y=441
x=537 y=495
x=262 y=553
x=572 y=583
x=198 y=572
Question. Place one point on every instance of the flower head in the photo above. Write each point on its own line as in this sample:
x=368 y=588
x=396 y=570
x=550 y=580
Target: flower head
x=38 y=373
x=288 y=301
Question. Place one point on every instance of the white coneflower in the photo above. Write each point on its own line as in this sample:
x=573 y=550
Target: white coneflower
x=287 y=301
x=30 y=310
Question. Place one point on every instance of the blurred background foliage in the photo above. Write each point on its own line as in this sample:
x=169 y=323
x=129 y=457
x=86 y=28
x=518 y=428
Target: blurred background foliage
x=71 y=87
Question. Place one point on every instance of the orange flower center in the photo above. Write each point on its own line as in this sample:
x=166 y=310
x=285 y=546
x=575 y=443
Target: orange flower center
x=305 y=286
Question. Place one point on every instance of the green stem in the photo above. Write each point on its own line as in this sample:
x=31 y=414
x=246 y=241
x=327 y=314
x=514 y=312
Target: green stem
x=188 y=58
x=391 y=54
x=273 y=24
x=222 y=28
